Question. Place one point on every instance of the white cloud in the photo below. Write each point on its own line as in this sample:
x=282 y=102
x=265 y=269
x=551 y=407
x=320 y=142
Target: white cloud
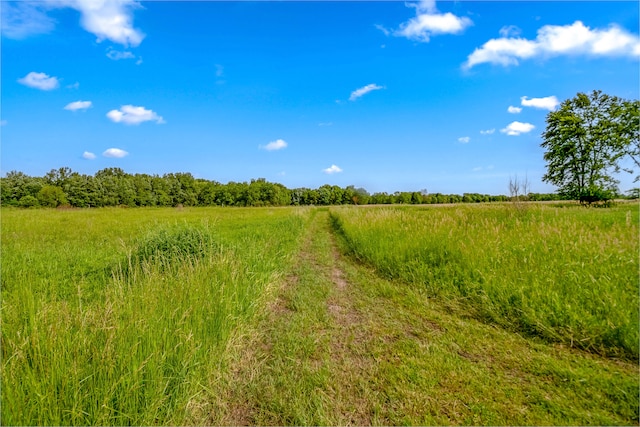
x=514 y=110
x=547 y=103
x=132 y=115
x=384 y=30
x=510 y=31
x=429 y=22
x=425 y=25
x=78 y=105
x=116 y=55
x=332 y=169
x=107 y=19
x=76 y=85
x=278 y=144
x=115 y=153
x=464 y=139
x=363 y=91
x=477 y=169
x=517 y=128
x=555 y=40
x=40 y=81
x=323 y=124
x=90 y=156
x=487 y=132
x=20 y=20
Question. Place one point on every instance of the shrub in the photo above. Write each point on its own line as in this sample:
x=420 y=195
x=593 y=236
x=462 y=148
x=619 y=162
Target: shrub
x=28 y=201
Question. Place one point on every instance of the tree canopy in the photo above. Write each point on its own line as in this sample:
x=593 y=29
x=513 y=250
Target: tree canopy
x=585 y=140
x=115 y=187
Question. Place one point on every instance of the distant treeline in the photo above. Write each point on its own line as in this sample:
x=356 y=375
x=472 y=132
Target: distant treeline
x=114 y=187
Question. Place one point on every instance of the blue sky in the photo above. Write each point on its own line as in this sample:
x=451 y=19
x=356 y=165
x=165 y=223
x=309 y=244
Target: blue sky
x=390 y=96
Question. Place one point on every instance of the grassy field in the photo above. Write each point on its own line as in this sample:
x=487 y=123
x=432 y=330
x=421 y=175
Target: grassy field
x=115 y=316
x=568 y=274
x=253 y=316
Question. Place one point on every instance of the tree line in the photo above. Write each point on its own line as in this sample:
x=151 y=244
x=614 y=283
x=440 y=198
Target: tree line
x=114 y=187
x=585 y=141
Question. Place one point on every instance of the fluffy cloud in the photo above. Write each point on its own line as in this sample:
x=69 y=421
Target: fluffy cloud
x=517 y=128
x=332 y=169
x=90 y=156
x=464 y=139
x=514 y=110
x=40 y=81
x=363 y=91
x=555 y=40
x=132 y=115
x=78 y=105
x=115 y=153
x=429 y=22
x=278 y=144
x=487 y=132
x=107 y=19
x=547 y=103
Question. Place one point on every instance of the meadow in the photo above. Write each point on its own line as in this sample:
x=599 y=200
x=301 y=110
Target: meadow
x=565 y=274
x=158 y=316
x=116 y=316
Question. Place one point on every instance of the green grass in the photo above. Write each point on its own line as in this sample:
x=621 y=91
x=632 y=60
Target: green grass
x=214 y=316
x=114 y=316
x=569 y=275
x=341 y=345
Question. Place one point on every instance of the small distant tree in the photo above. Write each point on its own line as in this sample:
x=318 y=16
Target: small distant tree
x=634 y=193
x=52 y=196
x=584 y=142
x=519 y=193
x=519 y=190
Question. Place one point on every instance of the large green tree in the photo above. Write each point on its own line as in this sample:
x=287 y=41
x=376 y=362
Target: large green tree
x=585 y=140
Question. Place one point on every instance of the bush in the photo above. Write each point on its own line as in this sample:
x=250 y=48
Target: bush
x=28 y=201
x=598 y=195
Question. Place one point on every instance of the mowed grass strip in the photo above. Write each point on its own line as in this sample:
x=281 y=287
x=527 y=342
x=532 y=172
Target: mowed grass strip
x=114 y=316
x=569 y=275
x=340 y=345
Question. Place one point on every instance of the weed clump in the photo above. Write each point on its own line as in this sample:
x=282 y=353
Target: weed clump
x=172 y=245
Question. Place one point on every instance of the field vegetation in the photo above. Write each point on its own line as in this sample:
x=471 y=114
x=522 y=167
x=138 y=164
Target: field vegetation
x=565 y=274
x=115 y=316
x=477 y=314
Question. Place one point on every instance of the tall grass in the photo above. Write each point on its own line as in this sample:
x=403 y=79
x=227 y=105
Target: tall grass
x=115 y=317
x=569 y=275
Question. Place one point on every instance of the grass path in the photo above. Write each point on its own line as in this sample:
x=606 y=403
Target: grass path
x=338 y=345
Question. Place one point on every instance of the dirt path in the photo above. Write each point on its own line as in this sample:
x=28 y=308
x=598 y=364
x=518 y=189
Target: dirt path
x=338 y=345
